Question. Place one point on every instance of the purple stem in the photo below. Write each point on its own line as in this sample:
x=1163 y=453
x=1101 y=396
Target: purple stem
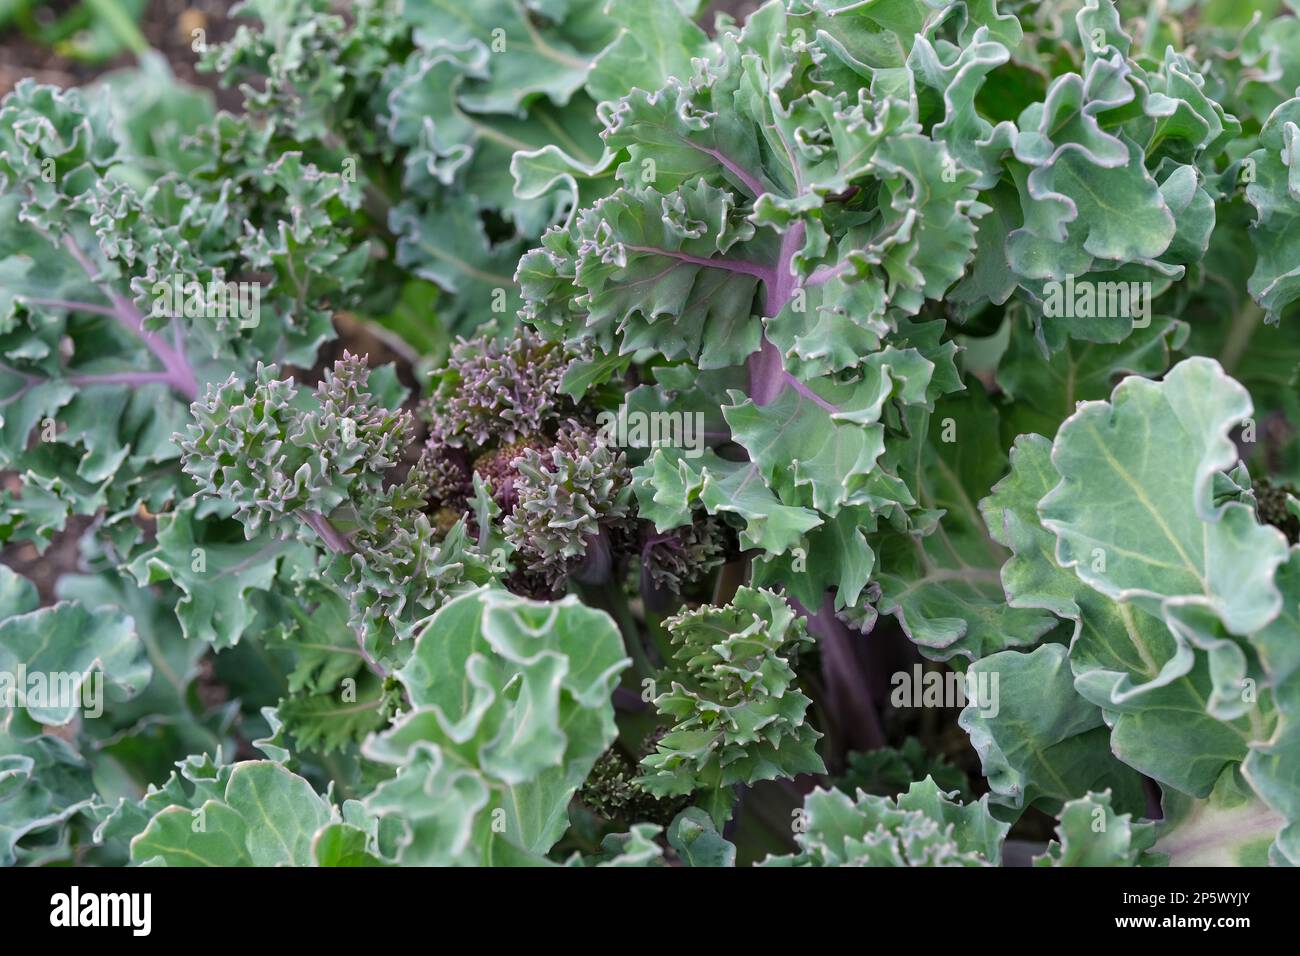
x=334 y=539
x=849 y=699
x=179 y=373
x=1154 y=799
x=628 y=700
x=121 y=378
x=826 y=273
x=767 y=375
x=731 y=265
x=113 y=378
x=72 y=304
x=748 y=179
x=784 y=281
x=808 y=393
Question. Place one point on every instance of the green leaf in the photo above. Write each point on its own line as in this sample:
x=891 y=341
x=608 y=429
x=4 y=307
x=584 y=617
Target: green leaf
x=941 y=578
x=62 y=661
x=547 y=56
x=507 y=744
x=650 y=273
x=738 y=715
x=267 y=816
x=1231 y=827
x=1045 y=387
x=834 y=555
x=817 y=446
x=334 y=719
x=1275 y=283
x=1040 y=743
x=919 y=828
x=1151 y=682
x=697 y=841
x=655 y=41
x=1273 y=765
x=669 y=484
x=45 y=785
x=1091 y=833
x=637 y=847
x=1133 y=514
x=215 y=577
x=342 y=844
x=446 y=243
x=889 y=771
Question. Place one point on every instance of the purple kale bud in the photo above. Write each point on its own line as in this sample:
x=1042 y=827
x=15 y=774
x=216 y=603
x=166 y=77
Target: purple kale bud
x=498 y=468
x=447 y=475
x=500 y=392
x=679 y=557
x=565 y=497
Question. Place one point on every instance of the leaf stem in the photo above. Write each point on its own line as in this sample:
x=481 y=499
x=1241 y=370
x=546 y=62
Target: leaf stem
x=82 y=381
x=808 y=393
x=781 y=288
x=730 y=577
x=179 y=372
x=334 y=539
x=1240 y=331
x=743 y=266
x=375 y=667
x=767 y=375
x=826 y=273
x=121 y=378
x=747 y=179
x=121 y=24
x=72 y=305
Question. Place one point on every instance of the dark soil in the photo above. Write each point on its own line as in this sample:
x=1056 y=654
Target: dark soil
x=44 y=570
x=168 y=25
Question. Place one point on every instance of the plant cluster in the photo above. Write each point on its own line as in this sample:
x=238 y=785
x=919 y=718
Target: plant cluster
x=970 y=326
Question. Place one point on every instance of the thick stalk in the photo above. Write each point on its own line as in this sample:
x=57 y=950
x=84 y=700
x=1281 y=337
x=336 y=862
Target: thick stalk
x=730 y=577
x=848 y=694
x=608 y=598
x=121 y=378
x=1245 y=321
x=766 y=370
x=72 y=305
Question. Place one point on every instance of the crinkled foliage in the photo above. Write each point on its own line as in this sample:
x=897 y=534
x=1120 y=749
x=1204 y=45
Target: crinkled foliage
x=731 y=360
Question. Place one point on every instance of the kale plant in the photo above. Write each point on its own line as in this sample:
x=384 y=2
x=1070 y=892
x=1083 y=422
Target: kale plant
x=745 y=369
